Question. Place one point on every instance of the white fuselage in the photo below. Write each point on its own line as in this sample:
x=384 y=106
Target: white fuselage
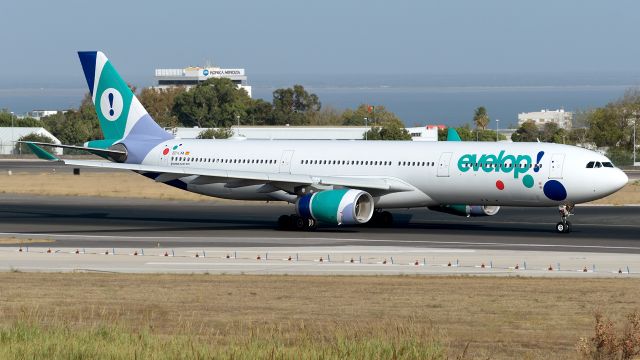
x=438 y=173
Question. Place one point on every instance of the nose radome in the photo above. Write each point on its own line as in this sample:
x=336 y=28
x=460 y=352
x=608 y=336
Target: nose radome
x=621 y=180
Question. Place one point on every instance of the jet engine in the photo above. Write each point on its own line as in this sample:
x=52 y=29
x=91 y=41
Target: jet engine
x=339 y=207
x=467 y=210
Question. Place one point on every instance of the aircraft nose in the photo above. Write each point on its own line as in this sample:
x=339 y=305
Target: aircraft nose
x=620 y=180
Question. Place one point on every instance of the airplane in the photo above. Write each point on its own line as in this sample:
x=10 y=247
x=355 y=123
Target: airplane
x=338 y=182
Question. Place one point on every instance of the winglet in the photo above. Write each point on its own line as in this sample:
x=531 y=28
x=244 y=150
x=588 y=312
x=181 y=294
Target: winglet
x=452 y=135
x=40 y=152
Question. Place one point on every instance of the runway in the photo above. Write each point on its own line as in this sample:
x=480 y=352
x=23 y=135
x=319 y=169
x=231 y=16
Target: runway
x=127 y=223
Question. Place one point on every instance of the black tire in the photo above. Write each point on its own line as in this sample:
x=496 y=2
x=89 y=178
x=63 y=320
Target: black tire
x=284 y=222
x=386 y=219
x=561 y=227
x=568 y=227
x=299 y=223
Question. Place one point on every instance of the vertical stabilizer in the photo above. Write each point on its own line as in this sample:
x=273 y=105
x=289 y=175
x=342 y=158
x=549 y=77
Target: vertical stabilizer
x=122 y=117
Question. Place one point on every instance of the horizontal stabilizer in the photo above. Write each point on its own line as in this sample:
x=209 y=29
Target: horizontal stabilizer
x=118 y=155
x=40 y=152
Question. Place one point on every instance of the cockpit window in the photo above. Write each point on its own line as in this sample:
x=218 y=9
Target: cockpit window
x=598 y=165
x=607 y=164
x=590 y=164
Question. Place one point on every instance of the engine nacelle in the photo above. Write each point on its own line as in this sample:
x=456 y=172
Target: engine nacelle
x=339 y=207
x=467 y=210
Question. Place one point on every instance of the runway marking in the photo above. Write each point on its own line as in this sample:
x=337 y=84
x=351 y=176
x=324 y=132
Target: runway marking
x=329 y=239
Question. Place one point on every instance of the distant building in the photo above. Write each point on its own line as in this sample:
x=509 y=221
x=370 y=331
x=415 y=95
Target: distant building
x=562 y=118
x=9 y=135
x=305 y=132
x=425 y=133
x=38 y=114
x=192 y=76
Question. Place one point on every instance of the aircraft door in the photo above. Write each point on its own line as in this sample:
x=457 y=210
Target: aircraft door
x=443 y=164
x=555 y=170
x=285 y=161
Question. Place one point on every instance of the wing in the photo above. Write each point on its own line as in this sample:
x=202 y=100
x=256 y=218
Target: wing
x=235 y=179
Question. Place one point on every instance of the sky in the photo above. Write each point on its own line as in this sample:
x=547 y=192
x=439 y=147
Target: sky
x=39 y=38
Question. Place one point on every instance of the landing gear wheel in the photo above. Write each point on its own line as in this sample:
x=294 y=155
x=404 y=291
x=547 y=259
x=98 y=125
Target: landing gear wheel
x=565 y=210
x=381 y=219
x=284 y=222
x=299 y=223
x=386 y=218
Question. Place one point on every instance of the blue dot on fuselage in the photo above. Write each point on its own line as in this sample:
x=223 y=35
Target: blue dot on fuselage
x=554 y=190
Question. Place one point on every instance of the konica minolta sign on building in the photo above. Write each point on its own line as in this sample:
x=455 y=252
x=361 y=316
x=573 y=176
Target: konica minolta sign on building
x=192 y=76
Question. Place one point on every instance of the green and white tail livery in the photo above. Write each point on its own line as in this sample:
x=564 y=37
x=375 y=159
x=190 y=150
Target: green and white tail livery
x=123 y=119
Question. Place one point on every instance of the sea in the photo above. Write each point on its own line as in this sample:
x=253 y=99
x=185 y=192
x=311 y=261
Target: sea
x=416 y=99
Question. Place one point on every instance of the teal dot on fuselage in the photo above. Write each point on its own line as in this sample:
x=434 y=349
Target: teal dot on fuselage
x=527 y=180
x=175 y=147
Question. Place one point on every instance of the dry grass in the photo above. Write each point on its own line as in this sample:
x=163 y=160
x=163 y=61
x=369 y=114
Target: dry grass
x=129 y=184
x=109 y=184
x=13 y=240
x=630 y=194
x=495 y=317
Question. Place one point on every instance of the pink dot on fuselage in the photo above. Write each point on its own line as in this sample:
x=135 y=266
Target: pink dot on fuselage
x=500 y=185
x=166 y=151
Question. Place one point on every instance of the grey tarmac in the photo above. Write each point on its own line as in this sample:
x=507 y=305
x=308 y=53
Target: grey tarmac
x=83 y=222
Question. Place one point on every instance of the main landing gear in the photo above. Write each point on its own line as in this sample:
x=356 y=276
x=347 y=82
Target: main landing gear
x=564 y=226
x=381 y=219
x=295 y=222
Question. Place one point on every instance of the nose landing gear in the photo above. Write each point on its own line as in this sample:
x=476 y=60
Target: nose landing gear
x=564 y=226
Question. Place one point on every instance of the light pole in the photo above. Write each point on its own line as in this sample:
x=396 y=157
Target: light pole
x=366 y=131
x=497 y=124
x=635 y=119
x=13 y=148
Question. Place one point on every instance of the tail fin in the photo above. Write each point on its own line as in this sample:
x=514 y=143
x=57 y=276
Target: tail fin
x=122 y=117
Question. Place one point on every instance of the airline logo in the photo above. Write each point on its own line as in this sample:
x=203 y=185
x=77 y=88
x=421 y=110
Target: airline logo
x=517 y=166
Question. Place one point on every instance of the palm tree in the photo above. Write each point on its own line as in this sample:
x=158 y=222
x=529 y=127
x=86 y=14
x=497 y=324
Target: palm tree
x=480 y=118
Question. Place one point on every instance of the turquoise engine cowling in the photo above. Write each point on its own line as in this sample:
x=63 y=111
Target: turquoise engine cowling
x=338 y=207
x=467 y=210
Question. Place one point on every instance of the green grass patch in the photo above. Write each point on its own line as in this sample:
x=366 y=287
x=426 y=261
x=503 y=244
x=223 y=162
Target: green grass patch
x=24 y=340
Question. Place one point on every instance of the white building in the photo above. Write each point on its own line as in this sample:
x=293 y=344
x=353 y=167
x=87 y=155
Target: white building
x=9 y=135
x=192 y=76
x=305 y=132
x=38 y=114
x=424 y=133
x=560 y=117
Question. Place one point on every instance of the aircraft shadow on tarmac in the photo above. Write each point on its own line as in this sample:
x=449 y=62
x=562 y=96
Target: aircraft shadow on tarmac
x=102 y=223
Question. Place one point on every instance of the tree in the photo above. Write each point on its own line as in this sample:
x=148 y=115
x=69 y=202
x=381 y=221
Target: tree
x=259 y=112
x=606 y=126
x=325 y=117
x=552 y=133
x=294 y=106
x=527 y=132
x=392 y=129
x=356 y=117
x=7 y=119
x=481 y=118
x=221 y=133
x=159 y=104
x=216 y=102
x=35 y=137
x=75 y=126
